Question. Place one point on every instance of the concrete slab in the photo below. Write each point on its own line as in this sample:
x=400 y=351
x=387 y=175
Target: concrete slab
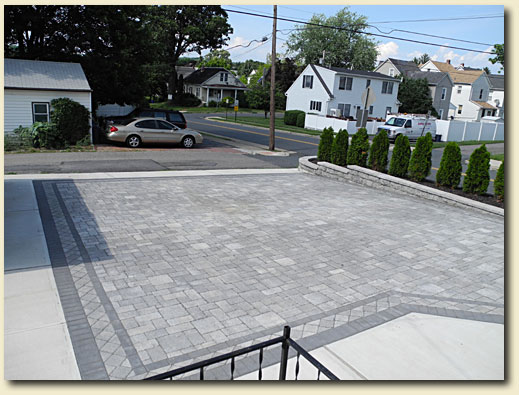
x=20 y=196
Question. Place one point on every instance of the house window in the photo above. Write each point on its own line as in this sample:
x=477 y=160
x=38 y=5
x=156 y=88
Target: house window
x=224 y=77
x=481 y=94
x=368 y=83
x=345 y=109
x=198 y=92
x=391 y=72
x=444 y=93
x=315 y=105
x=489 y=96
x=489 y=112
x=40 y=112
x=370 y=110
x=459 y=89
x=460 y=109
x=441 y=113
x=308 y=81
x=345 y=83
x=387 y=87
x=388 y=110
x=190 y=89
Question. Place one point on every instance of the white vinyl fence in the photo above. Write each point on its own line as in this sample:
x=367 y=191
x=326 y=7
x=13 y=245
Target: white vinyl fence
x=449 y=130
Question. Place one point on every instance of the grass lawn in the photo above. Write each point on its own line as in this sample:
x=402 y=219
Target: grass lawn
x=442 y=144
x=500 y=157
x=280 y=124
x=200 y=110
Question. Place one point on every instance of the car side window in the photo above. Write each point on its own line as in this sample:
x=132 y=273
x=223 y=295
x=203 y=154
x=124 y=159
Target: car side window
x=146 y=114
x=408 y=123
x=172 y=117
x=148 y=124
x=165 y=125
x=159 y=115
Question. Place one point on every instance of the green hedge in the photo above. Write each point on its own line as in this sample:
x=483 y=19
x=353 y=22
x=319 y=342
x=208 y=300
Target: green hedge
x=499 y=183
x=378 y=152
x=449 y=173
x=72 y=119
x=324 y=150
x=300 y=123
x=400 y=158
x=420 y=163
x=358 y=151
x=291 y=117
x=478 y=177
x=339 y=154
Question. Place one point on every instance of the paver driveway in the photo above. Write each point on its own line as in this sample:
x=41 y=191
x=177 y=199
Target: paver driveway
x=155 y=273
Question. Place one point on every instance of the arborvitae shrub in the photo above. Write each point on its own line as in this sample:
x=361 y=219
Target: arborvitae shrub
x=499 y=183
x=477 y=178
x=420 y=163
x=400 y=158
x=449 y=173
x=300 y=122
x=358 y=151
x=378 y=152
x=324 y=151
x=340 y=148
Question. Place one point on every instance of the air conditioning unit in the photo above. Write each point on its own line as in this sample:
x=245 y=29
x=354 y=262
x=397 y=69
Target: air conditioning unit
x=335 y=112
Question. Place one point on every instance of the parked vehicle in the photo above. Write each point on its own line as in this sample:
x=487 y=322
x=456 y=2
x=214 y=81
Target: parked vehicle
x=175 y=117
x=412 y=126
x=136 y=131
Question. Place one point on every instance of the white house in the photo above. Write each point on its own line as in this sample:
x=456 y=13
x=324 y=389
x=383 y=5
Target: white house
x=332 y=90
x=496 y=96
x=31 y=85
x=213 y=84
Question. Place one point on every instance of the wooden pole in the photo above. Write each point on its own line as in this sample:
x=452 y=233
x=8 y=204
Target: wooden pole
x=272 y=136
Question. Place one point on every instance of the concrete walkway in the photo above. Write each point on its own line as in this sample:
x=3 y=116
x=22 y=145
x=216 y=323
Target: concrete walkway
x=439 y=319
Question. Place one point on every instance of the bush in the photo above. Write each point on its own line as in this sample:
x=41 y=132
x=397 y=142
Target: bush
x=420 y=163
x=340 y=144
x=186 y=99
x=47 y=135
x=477 y=178
x=19 y=139
x=358 y=151
x=499 y=183
x=291 y=117
x=400 y=158
x=300 y=122
x=71 y=119
x=449 y=173
x=378 y=152
x=212 y=103
x=324 y=151
x=228 y=101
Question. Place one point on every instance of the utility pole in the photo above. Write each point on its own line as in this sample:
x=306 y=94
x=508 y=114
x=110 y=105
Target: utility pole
x=273 y=84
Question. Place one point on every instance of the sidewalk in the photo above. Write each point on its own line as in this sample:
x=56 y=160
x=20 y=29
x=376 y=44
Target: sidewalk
x=414 y=346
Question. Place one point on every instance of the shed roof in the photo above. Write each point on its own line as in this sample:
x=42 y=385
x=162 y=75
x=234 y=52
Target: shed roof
x=43 y=75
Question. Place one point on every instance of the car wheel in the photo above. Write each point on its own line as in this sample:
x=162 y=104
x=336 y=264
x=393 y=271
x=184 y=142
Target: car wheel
x=188 y=142
x=133 y=141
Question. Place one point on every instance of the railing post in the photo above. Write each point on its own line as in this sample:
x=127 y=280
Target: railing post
x=284 y=353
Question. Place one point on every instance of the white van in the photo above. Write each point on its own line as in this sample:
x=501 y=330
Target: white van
x=411 y=126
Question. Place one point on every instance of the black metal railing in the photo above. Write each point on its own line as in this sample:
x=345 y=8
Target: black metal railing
x=286 y=343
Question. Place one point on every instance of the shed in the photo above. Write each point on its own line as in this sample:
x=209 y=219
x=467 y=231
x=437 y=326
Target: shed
x=31 y=85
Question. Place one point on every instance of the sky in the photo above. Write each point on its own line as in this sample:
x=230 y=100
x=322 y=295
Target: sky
x=486 y=31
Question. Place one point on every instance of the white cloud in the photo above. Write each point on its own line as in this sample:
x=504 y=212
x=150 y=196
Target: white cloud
x=387 y=50
x=237 y=40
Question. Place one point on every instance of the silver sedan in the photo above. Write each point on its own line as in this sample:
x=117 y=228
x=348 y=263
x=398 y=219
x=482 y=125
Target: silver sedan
x=134 y=132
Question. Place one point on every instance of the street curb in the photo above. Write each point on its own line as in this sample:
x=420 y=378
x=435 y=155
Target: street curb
x=383 y=181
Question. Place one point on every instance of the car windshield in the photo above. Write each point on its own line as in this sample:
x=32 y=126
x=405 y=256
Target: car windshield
x=395 y=122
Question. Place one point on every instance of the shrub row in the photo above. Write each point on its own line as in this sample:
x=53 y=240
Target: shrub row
x=292 y=116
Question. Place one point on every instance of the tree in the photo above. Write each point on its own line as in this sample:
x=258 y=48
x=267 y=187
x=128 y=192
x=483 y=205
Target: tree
x=400 y=158
x=339 y=154
x=258 y=96
x=358 y=150
x=378 y=152
x=420 y=163
x=477 y=179
x=247 y=67
x=344 y=47
x=182 y=29
x=499 y=51
x=499 y=183
x=415 y=96
x=324 y=150
x=486 y=70
x=216 y=58
x=449 y=173
x=422 y=59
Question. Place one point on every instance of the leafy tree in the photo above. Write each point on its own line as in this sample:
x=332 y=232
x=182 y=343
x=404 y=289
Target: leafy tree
x=499 y=182
x=422 y=59
x=499 y=51
x=324 y=150
x=486 y=70
x=449 y=173
x=378 y=152
x=72 y=119
x=400 y=158
x=181 y=29
x=216 y=58
x=346 y=47
x=415 y=96
x=247 y=67
x=340 y=144
x=420 y=163
x=477 y=179
x=358 y=151
x=258 y=96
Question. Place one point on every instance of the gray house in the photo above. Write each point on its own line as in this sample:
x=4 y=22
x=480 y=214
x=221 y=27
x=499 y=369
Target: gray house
x=440 y=83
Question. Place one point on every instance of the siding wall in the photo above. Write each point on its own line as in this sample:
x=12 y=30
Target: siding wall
x=18 y=105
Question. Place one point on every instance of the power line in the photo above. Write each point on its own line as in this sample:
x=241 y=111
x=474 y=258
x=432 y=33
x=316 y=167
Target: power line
x=445 y=19
x=360 y=32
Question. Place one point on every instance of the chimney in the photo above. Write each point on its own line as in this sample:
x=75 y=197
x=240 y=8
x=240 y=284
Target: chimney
x=448 y=61
x=462 y=65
